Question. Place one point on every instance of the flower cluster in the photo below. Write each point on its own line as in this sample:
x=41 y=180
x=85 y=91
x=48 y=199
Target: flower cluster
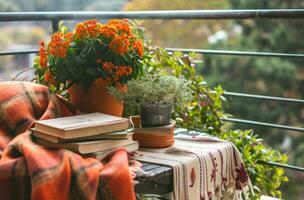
x=112 y=73
x=59 y=44
x=94 y=53
x=43 y=55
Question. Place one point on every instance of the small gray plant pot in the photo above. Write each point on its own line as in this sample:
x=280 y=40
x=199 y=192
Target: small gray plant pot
x=155 y=115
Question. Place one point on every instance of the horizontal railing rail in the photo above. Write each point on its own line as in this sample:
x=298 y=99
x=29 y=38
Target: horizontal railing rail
x=56 y=17
x=286 y=166
x=200 y=51
x=264 y=124
x=165 y=14
x=28 y=51
x=263 y=97
x=237 y=53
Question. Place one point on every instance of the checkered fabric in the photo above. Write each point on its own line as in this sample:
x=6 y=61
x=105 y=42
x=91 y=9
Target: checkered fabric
x=31 y=171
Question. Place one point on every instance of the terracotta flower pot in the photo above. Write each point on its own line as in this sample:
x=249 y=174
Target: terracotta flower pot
x=151 y=140
x=96 y=99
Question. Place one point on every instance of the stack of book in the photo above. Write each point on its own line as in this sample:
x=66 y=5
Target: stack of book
x=92 y=135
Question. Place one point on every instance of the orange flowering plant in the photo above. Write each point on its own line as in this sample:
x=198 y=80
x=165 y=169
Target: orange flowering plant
x=94 y=53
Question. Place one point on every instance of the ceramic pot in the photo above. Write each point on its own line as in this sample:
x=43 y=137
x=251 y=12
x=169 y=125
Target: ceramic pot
x=155 y=115
x=96 y=99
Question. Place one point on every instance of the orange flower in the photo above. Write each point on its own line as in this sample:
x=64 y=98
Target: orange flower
x=120 y=44
x=107 y=31
x=100 y=82
x=80 y=30
x=48 y=77
x=43 y=62
x=138 y=46
x=91 y=27
x=59 y=44
x=87 y=28
x=129 y=70
x=42 y=55
x=123 y=71
x=69 y=36
x=122 y=26
x=107 y=66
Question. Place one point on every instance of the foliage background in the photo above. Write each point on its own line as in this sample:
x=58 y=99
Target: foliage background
x=257 y=75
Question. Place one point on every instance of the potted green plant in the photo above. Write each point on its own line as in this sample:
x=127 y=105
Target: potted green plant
x=153 y=96
x=88 y=60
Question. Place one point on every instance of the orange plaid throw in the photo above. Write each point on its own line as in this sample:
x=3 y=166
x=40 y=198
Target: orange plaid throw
x=31 y=171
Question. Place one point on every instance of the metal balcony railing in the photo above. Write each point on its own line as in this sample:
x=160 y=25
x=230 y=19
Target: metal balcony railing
x=56 y=17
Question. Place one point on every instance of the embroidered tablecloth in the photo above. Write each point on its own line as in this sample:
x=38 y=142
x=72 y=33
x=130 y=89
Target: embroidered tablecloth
x=204 y=168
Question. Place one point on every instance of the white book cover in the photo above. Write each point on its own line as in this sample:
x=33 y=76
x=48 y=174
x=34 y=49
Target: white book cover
x=81 y=121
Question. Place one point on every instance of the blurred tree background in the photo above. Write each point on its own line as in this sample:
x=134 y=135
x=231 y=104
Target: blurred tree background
x=283 y=77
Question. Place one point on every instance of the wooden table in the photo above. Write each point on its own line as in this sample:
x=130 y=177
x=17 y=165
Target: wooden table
x=158 y=179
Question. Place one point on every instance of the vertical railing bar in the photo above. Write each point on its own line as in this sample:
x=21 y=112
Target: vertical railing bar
x=55 y=24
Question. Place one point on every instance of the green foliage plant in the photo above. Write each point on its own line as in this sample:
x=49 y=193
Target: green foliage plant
x=204 y=113
x=154 y=89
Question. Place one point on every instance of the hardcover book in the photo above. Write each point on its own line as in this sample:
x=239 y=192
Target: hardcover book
x=86 y=147
x=132 y=146
x=119 y=135
x=82 y=125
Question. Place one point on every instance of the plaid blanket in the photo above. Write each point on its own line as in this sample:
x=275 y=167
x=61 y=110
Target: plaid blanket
x=31 y=171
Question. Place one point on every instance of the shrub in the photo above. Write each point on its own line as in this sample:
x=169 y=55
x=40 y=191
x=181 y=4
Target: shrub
x=154 y=89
